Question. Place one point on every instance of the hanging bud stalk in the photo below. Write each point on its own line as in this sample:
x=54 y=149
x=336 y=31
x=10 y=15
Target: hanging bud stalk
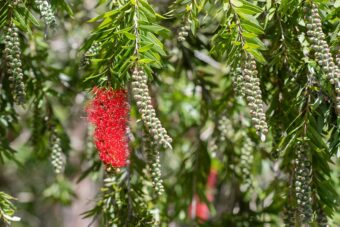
x=57 y=158
x=321 y=218
x=238 y=82
x=92 y=51
x=289 y=216
x=225 y=128
x=12 y=54
x=253 y=97
x=154 y=165
x=46 y=12
x=322 y=51
x=189 y=12
x=108 y=111
x=302 y=180
x=246 y=161
x=140 y=93
x=337 y=60
x=184 y=31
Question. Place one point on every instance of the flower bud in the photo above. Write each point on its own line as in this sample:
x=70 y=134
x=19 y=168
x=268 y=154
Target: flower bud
x=302 y=185
x=57 y=158
x=12 y=54
x=46 y=12
x=145 y=108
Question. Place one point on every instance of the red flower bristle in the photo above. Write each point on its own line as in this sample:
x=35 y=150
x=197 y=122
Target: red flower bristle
x=108 y=111
x=199 y=209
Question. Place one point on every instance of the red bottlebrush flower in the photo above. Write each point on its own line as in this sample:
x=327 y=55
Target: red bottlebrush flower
x=212 y=178
x=199 y=209
x=108 y=111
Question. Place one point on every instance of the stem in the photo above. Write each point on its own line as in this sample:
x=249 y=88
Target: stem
x=136 y=25
x=239 y=28
x=306 y=110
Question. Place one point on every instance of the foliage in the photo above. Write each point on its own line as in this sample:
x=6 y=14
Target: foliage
x=7 y=209
x=210 y=72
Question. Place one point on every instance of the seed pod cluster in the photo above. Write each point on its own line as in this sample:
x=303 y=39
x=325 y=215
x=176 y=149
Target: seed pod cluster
x=92 y=51
x=321 y=218
x=12 y=54
x=253 y=96
x=184 y=32
x=246 y=161
x=46 y=12
x=153 y=125
x=321 y=48
x=57 y=158
x=302 y=184
x=154 y=165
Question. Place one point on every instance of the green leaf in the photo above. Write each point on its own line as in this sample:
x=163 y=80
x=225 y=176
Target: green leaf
x=66 y=6
x=236 y=3
x=257 y=55
x=251 y=27
x=145 y=61
x=145 y=48
x=248 y=8
x=249 y=35
x=248 y=46
x=129 y=35
x=154 y=28
x=21 y=22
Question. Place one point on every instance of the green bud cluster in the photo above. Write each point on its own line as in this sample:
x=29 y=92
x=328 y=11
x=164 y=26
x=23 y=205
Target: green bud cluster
x=46 y=12
x=57 y=154
x=92 y=51
x=289 y=217
x=321 y=218
x=213 y=146
x=153 y=125
x=238 y=82
x=302 y=184
x=321 y=48
x=224 y=128
x=253 y=96
x=183 y=33
x=246 y=161
x=12 y=54
x=154 y=166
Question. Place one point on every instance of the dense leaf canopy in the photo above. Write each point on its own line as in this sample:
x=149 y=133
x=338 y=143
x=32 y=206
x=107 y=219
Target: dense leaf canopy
x=234 y=112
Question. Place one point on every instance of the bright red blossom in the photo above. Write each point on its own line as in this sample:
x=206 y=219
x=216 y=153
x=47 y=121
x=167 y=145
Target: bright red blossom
x=199 y=208
x=108 y=111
